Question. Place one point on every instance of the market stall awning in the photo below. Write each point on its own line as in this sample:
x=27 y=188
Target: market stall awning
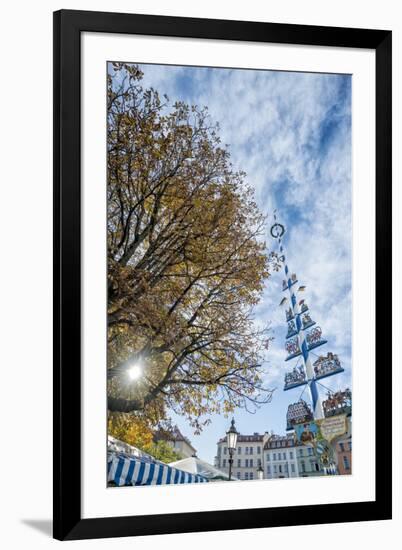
x=195 y=465
x=125 y=470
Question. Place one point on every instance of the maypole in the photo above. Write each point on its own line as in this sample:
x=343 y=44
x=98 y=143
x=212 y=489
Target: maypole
x=303 y=335
x=299 y=339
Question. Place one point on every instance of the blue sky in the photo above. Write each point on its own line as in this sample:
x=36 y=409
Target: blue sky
x=291 y=134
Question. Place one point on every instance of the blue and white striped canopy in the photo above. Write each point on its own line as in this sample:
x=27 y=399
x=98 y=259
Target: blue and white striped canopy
x=124 y=470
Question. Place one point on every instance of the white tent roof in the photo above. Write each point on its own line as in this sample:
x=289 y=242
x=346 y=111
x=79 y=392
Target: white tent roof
x=117 y=446
x=195 y=465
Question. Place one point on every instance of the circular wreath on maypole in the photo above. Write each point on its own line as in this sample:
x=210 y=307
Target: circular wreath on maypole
x=277 y=230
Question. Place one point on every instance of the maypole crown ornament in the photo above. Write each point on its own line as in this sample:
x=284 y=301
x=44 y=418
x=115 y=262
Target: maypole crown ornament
x=277 y=230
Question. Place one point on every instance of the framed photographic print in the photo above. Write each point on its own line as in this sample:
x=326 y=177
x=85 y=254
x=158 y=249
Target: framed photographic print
x=222 y=269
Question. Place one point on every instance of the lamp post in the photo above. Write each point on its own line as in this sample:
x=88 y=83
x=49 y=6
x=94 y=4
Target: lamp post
x=260 y=472
x=231 y=440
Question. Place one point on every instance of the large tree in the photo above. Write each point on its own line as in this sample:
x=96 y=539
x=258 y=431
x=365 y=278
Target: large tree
x=186 y=260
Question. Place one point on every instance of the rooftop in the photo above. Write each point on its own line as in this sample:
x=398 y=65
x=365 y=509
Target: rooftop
x=172 y=435
x=278 y=441
x=254 y=438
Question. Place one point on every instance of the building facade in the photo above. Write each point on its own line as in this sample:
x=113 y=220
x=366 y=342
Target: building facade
x=307 y=461
x=344 y=456
x=247 y=458
x=279 y=456
x=283 y=457
x=181 y=444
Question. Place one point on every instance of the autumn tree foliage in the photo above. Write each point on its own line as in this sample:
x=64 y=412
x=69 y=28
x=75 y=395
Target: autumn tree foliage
x=136 y=431
x=186 y=261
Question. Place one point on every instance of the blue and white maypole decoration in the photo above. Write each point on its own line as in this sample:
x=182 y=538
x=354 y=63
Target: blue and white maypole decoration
x=301 y=337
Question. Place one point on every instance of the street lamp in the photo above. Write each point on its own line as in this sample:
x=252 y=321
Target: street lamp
x=260 y=472
x=231 y=440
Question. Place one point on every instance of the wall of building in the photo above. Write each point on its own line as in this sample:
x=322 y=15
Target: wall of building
x=247 y=458
x=183 y=448
x=281 y=462
x=278 y=456
x=344 y=456
x=308 y=463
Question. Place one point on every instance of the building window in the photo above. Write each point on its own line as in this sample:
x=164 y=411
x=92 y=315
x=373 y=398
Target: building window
x=251 y=450
x=239 y=450
x=246 y=462
x=303 y=466
x=239 y=462
x=286 y=467
x=251 y=462
x=292 y=467
x=346 y=462
x=225 y=449
x=284 y=456
x=268 y=457
x=274 y=468
x=301 y=452
x=291 y=455
x=280 y=468
x=310 y=451
x=224 y=462
x=238 y=475
x=269 y=470
x=316 y=467
x=219 y=451
x=246 y=450
x=245 y=475
x=251 y=475
x=274 y=458
x=342 y=447
x=258 y=450
x=259 y=462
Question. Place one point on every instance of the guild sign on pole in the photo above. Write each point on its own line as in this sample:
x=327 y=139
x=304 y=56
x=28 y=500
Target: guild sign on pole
x=333 y=427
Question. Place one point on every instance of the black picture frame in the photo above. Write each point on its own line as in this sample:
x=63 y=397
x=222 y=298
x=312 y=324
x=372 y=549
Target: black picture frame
x=68 y=26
